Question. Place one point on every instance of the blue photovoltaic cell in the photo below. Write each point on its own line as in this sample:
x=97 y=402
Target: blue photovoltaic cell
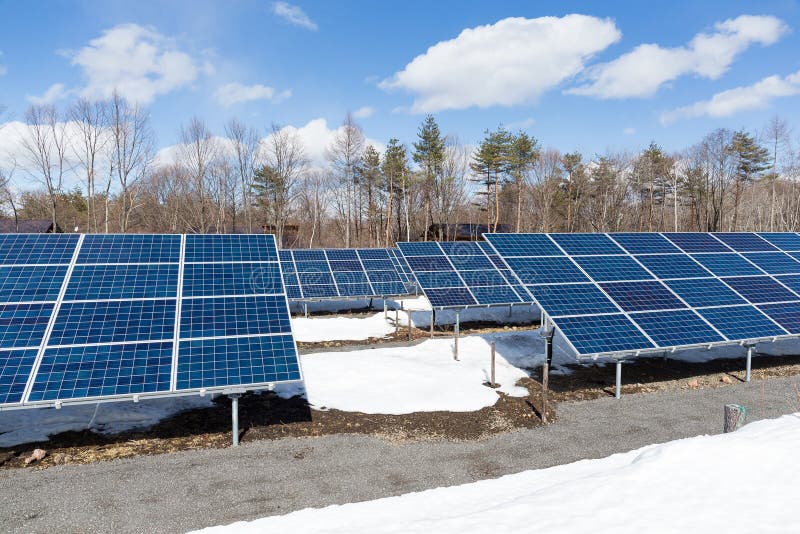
x=439 y=279
x=309 y=255
x=290 y=279
x=23 y=325
x=675 y=328
x=375 y=253
x=642 y=296
x=696 y=242
x=451 y=297
x=482 y=278
x=293 y=292
x=495 y=295
x=311 y=279
x=744 y=242
x=312 y=267
x=612 y=268
x=461 y=248
x=727 y=264
x=786 y=241
x=760 y=289
x=351 y=277
x=341 y=265
x=212 y=279
x=595 y=334
x=15 y=368
x=234 y=316
x=741 y=322
x=102 y=282
x=207 y=248
x=29 y=284
x=644 y=243
x=416 y=248
x=344 y=254
x=666 y=266
x=242 y=360
x=389 y=288
x=130 y=248
x=573 y=299
x=586 y=244
x=80 y=323
x=700 y=292
x=319 y=291
x=546 y=270
x=20 y=249
x=471 y=263
x=103 y=370
x=774 y=262
x=786 y=314
x=429 y=263
x=355 y=290
x=378 y=265
x=790 y=281
x=383 y=276
x=508 y=245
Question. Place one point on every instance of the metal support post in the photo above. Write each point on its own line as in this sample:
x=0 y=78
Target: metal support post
x=492 y=381
x=433 y=320
x=305 y=309
x=547 y=334
x=396 y=321
x=385 y=316
x=370 y=304
x=235 y=417
x=510 y=310
x=408 y=316
x=456 y=332
x=749 y=363
x=618 y=390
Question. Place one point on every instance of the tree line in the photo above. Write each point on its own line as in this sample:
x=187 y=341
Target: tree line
x=246 y=180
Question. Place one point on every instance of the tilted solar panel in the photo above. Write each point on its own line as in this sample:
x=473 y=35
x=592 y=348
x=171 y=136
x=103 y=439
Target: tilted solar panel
x=118 y=316
x=461 y=274
x=649 y=291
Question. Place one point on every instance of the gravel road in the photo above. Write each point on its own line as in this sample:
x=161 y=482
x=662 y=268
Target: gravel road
x=188 y=490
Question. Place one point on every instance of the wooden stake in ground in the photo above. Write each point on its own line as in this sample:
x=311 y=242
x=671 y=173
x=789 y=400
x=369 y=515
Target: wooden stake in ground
x=734 y=416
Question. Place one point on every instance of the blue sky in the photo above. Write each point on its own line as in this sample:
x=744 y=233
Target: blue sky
x=575 y=82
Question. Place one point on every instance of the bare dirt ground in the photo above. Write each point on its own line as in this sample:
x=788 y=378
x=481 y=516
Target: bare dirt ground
x=269 y=417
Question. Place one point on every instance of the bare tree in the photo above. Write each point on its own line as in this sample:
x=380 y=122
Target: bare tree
x=91 y=120
x=198 y=154
x=45 y=144
x=7 y=193
x=245 y=154
x=777 y=135
x=131 y=147
x=344 y=154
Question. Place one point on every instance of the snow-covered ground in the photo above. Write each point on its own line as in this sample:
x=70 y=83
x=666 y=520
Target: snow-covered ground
x=740 y=482
x=333 y=328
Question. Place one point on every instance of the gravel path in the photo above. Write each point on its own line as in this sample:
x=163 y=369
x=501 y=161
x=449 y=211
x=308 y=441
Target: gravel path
x=188 y=490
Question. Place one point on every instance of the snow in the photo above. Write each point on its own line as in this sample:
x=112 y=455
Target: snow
x=36 y=424
x=739 y=482
x=420 y=378
x=315 y=329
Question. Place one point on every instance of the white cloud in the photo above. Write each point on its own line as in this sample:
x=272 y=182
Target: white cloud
x=138 y=62
x=235 y=93
x=293 y=15
x=645 y=69
x=55 y=92
x=364 y=112
x=510 y=62
x=522 y=124
x=750 y=97
x=629 y=131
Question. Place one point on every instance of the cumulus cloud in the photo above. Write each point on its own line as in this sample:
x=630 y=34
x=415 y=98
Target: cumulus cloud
x=727 y=103
x=364 y=112
x=315 y=135
x=645 y=69
x=294 y=15
x=137 y=61
x=236 y=93
x=510 y=62
x=55 y=92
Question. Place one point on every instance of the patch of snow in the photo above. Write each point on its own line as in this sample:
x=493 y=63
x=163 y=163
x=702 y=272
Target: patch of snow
x=36 y=424
x=333 y=328
x=738 y=482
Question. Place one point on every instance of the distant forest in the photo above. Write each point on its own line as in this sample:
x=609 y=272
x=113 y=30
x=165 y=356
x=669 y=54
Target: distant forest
x=241 y=180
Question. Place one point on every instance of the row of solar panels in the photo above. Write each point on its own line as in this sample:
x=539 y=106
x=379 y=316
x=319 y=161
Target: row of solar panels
x=627 y=292
x=87 y=317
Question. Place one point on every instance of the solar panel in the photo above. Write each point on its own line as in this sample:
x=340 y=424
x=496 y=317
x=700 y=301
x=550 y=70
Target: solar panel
x=659 y=290
x=115 y=316
x=342 y=273
x=460 y=274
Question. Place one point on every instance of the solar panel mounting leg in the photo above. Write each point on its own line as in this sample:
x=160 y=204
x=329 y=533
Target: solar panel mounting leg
x=548 y=358
x=455 y=339
x=305 y=309
x=385 y=312
x=433 y=320
x=749 y=363
x=618 y=389
x=235 y=417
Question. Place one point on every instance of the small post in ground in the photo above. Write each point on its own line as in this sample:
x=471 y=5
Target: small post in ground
x=547 y=334
x=749 y=363
x=305 y=309
x=408 y=316
x=455 y=337
x=385 y=316
x=235 y=417
x=618 y=388
x=734 y=416
x=433 y=320
x=492 y=380
x=396 y=322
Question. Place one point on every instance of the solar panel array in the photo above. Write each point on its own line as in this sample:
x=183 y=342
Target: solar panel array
x=317 y=274
x=628 y=292
x=401 y=265
x=96 y=317
x=461 y=274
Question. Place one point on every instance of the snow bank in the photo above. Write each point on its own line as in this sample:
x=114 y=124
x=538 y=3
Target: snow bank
x=422 y=377
x=740 y=482
x=333 y=328
x=36 y=424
